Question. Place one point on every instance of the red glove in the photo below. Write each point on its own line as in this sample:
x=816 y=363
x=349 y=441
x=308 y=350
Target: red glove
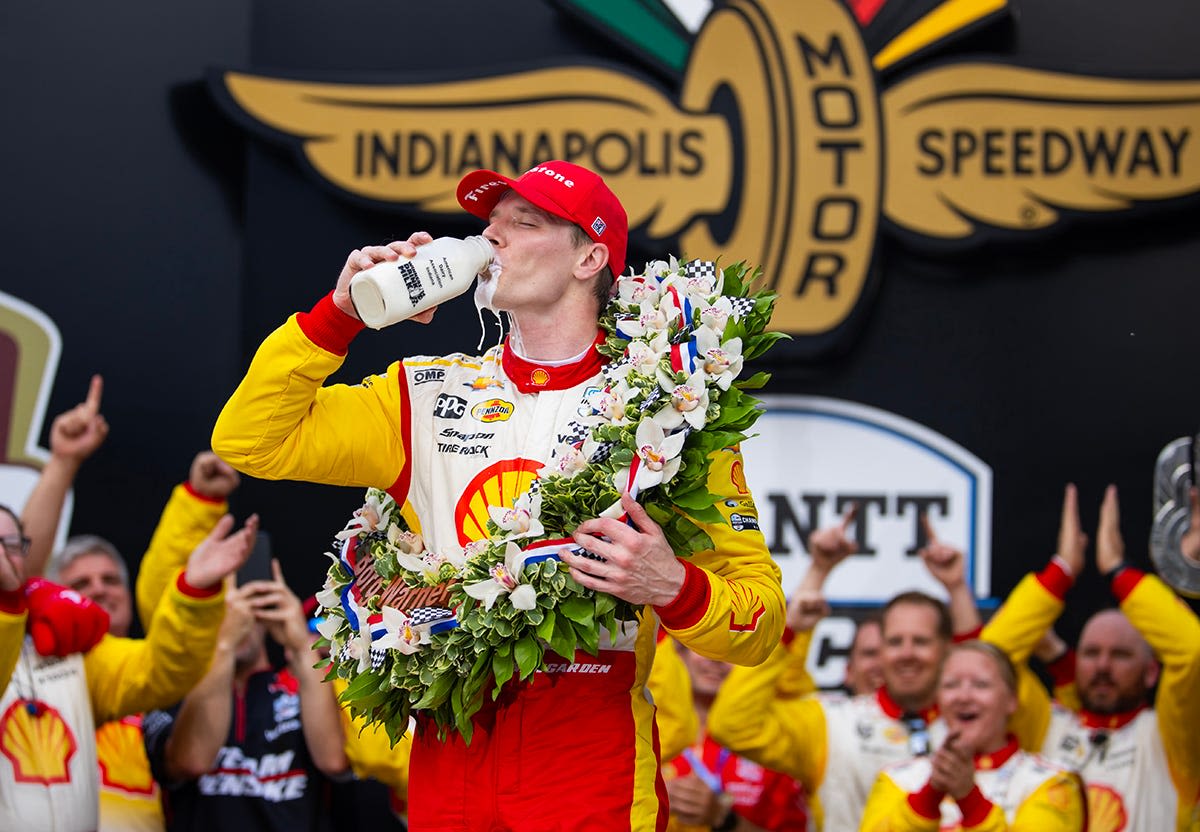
x=61 y=620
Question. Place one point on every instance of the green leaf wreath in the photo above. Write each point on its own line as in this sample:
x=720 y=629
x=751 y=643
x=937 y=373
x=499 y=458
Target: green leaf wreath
x=678 y=336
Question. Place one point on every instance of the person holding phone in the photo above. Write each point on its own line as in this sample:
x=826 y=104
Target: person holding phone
x=248 y=746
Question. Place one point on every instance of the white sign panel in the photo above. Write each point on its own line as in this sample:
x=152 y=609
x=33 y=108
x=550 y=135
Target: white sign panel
x=812 y=457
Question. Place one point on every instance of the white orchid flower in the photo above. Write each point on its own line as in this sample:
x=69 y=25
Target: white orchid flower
x=329 y=597
x=360 y=645
x=609 y=403
x=721 y=362
x=519 y=521
x=661 y=268
x=649 y=322
x=638 y=290
x=567 y=461
x=474 y=549
x=328 y=627
x=401 y=634
x=643 y=357
x=659 y=455
x=689 y=400
x=370 y=517
x=505 y=580
x=716 y=315
x=410 y=543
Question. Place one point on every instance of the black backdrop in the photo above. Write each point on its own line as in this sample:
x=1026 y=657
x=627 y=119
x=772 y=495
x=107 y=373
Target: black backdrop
x=165 y=244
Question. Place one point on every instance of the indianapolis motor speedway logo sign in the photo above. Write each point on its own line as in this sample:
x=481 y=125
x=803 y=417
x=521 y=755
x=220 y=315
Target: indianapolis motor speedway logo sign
x=785 y=144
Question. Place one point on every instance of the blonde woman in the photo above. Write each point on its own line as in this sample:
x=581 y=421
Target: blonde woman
x=978 y=779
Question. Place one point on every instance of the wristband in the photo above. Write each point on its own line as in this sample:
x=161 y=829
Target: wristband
x=1112 y=574
x=728 y=823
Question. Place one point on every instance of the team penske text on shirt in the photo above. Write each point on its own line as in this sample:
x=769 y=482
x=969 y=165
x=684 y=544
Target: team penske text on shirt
x=271 y=777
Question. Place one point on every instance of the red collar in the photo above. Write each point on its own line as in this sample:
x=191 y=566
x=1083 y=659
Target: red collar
x=1109 y=721
x=532 y=377
x=889 y=706
x=987 y=762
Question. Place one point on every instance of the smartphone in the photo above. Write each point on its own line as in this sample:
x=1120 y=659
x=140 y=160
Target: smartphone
x=258 y=566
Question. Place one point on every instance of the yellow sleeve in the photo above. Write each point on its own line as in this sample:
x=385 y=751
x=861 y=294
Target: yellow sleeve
x=185 y=521
x=128 y=676
x=750 y=719
x=1016 y=628
x=888 y=810
x=1058 y=805
x=1024 y=617
x=1031 y=720
x=795 y=681
x=12 y=635
x=281 y=423
x=371 y=753
x=1173 y=632
x=675 y=713
x=731 y=607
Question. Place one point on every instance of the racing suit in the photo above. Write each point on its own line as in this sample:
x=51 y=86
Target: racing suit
x=1013 y=790
x=447 y=437
x=49 y=710
x=1142 y=768
x=769 y=799
x=130 y=798
x=833 y=744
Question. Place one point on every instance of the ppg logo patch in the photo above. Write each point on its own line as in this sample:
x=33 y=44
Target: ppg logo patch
x=598 y=226
x=449 y=407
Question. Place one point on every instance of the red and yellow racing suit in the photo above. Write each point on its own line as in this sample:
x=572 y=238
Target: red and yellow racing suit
x=1142 y=768
x=1013 y=790
x=447 y=437
x=51 y=706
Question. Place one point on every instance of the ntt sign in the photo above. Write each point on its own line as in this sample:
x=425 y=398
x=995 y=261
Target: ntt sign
x=812 y=457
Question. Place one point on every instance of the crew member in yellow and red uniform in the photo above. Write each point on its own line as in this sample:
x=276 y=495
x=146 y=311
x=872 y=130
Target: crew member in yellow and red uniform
x=1139 y=757
x=978 y=779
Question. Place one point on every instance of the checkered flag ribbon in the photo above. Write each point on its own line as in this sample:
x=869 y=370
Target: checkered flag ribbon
x=700 y=269
x=742 y=306
x=377 y=658
x=429 y=615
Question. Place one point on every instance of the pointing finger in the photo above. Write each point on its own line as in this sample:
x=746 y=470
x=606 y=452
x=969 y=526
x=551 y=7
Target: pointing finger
x=95 y=391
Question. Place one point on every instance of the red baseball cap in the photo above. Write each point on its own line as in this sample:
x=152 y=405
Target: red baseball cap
x=565 y=190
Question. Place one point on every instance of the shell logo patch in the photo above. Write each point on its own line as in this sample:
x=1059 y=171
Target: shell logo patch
x=122 y=757
x=496 y=485
x=39 y=745
x=1106 y=810
x=738 y=477
x=539 y=377
x=493 y=410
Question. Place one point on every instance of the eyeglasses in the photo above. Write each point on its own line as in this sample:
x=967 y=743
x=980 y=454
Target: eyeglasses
x=15 y=545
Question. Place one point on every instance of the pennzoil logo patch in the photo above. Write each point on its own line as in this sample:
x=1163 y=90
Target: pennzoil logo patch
x=493 y=410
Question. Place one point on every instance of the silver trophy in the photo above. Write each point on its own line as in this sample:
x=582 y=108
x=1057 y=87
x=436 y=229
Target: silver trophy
x=1174 y=475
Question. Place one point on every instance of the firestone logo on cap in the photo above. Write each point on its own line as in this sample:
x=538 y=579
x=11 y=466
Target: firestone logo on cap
x=474 y=195
x=552 y=173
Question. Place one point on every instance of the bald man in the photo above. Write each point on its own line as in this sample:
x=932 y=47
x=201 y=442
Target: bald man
x=1138 y=754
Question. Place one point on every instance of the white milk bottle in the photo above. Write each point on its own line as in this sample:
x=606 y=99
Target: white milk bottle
x=395 y=290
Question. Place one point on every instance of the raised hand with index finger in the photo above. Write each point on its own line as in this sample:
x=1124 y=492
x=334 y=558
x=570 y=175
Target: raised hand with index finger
x=76 y=434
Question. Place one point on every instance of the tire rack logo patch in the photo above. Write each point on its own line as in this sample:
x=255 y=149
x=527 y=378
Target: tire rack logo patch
x=972 y=150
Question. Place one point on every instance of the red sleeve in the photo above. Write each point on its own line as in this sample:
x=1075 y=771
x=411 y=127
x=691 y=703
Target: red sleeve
x=691 y=603
x=328 y=327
